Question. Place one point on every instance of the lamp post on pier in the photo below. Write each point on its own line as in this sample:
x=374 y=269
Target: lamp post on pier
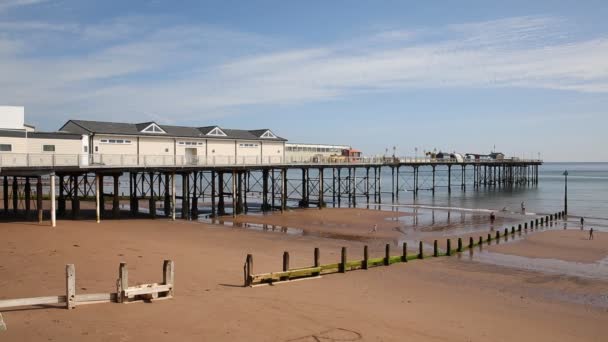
x=566 y=192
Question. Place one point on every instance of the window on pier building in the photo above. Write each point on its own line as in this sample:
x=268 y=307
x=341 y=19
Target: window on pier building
x=48 y=148
x=6 y=147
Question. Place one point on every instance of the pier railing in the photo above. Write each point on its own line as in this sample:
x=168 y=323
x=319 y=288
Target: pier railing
x=8 y=160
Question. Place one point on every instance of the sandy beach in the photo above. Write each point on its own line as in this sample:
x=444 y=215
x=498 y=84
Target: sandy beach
x=439 y=299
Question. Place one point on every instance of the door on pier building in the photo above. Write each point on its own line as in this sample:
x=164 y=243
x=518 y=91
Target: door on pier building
x=191 y=157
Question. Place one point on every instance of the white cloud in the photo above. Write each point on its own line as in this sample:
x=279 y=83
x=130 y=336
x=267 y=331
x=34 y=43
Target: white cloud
x=130 y=65
x=10 y=4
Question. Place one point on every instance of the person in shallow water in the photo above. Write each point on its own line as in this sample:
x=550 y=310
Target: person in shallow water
x=523 y=206
x=492 y=217
x=582 y=221
x=591 y=233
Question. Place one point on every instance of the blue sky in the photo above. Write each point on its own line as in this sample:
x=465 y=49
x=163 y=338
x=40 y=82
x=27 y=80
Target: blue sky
x=529 y=77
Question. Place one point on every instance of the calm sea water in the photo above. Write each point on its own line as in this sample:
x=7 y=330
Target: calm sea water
x=587 y=193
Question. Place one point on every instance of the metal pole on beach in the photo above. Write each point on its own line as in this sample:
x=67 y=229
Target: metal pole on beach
x=566 y=192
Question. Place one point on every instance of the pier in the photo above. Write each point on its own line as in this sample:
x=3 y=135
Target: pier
x=177 y=188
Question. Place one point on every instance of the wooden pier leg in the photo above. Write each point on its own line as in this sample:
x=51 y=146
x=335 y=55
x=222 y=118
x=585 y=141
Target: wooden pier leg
x=387 y=254
x=28 y=196
x=272 y=190
x=152 y=200
x=449 y=178
x=392 y=184
x=234 y=191
x=169 y=275
x=75 y=198
x=213 y=193
x=53 y=209
x=70 y=286
x=343 y=261
x=123 y=283
x=173 y=204
x=365 y=264
x=221 y=210
x=61 y=200
x=185 y=196
x=339 y=187
x=321 y=192
x=39 y=198
x=404 y=256
x=5 y=194
x=15 y=195
x=115 y=198
x=97 y=198
x=284 y=189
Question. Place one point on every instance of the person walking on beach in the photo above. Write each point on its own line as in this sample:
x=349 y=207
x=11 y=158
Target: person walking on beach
x=492 y=217
x=582 y=221
x=375 y=229
x=523 y=207
x=591 y=233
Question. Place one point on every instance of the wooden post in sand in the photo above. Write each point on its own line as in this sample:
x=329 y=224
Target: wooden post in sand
x=404 y=256
x=365 y=258
x=123 y=283
x=169 y=274
x=519 y=228
x=285 y=264
x=506 y=232
x=343 y=262
x=536 y=222
x=497 y=236
x=526 y=225
x=248 y=269
x=70 y=286
x=471 y=243
x=512 y=230
x=449 y=247
x=317 y=262
x=459 y=244
x=489 y=237
x=420 y=251
x=387 y=254
x=435 y=249
x=480 y=241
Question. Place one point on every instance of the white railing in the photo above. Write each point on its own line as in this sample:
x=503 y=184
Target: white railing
x=8 y=160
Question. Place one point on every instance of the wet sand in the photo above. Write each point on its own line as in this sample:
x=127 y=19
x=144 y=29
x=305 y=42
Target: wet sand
x=568 y=245
x=444 y=299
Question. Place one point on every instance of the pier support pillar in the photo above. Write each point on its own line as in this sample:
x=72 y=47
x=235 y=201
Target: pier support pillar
x=265 y=177
x=283 y=190
x=115 y=197
x=233 y=190
x=28 y=196
x=5 y=194
x=39 y=198
x=185 y=196
x=449 y=178
x=15 y=195
x=194 y=204
x=167 y=204
x=221 y=210
x=53 y=212
x=213 y=190
x=75 y=198
x=321 y=200
x=98 y=190
x=152 y=200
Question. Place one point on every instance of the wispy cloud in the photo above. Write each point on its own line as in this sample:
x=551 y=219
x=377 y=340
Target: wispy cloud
x=130 y=65
x=10 y=4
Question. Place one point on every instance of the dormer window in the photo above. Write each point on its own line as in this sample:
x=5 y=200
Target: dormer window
x=217 y=132
x=268 y=134
x=153 y=128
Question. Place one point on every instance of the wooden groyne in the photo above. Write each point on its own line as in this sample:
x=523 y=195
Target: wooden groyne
x=316 y=269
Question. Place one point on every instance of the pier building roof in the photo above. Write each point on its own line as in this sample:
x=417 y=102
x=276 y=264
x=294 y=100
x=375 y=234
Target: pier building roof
x=154 y=129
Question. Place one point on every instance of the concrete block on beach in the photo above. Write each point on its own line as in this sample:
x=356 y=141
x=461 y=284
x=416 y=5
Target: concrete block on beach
x=2 y=324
